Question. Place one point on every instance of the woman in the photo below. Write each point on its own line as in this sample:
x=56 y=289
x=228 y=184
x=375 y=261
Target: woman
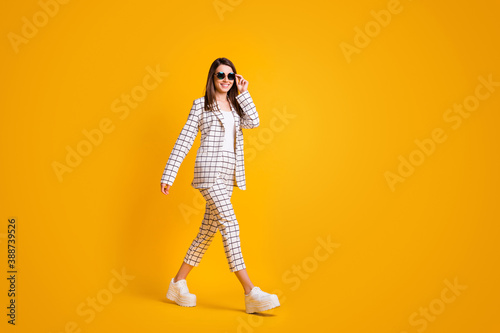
x=219 y=166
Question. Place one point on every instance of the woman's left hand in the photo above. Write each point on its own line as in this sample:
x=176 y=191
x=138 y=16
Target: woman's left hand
x=241 y=83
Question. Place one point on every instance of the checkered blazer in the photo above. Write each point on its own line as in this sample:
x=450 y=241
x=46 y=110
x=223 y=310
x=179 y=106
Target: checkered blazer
x=208 y=163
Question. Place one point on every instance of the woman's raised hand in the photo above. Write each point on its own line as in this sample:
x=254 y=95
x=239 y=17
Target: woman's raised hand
x=241 y=83
x=165 y=188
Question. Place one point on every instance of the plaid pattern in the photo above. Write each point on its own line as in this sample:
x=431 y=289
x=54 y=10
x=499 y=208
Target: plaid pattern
x=219 y=214
x=208 y=163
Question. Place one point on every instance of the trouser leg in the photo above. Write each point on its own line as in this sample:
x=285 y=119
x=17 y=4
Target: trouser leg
x=219 y=199
x=219 y=214
x=203 y=239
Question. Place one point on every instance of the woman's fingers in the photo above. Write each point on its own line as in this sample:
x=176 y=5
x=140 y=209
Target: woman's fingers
x=240 y=78
x=165 y=188
x=241 y=82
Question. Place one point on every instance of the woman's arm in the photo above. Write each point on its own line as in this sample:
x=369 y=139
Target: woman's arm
x=182 y=146
x=250 y=117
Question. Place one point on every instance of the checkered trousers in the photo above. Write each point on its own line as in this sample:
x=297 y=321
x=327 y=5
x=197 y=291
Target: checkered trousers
x=219 y=215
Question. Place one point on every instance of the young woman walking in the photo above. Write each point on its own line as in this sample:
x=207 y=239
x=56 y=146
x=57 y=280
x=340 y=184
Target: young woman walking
x=220 y=116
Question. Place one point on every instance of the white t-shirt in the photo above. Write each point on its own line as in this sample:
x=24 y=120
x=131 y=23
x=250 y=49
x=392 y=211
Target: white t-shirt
x=230 y=131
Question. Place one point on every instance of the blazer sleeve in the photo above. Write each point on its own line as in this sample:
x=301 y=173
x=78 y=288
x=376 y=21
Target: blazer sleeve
x=250 y=118
x=182 y=146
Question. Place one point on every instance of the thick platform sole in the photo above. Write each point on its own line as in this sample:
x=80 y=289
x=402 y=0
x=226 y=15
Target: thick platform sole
x=272 y=303
x=180 y=300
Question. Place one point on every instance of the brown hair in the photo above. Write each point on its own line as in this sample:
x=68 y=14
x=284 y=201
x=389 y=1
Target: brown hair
x=210 y=88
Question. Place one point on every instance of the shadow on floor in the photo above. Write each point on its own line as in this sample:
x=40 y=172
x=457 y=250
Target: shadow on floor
x=219 y=307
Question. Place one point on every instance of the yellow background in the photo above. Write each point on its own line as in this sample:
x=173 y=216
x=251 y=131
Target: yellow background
x=318 y=173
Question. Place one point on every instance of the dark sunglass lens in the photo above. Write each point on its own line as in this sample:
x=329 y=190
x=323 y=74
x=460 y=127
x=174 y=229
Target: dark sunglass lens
x=230 y=76
x=220 y=75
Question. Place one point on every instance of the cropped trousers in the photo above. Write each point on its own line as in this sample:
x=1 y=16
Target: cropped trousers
x=219 y=215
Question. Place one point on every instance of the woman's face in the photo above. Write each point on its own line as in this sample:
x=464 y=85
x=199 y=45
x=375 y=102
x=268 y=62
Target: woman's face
x=223 y=86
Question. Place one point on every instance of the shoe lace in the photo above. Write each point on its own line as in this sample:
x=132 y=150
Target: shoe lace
x=184 y=288
x=261 y=294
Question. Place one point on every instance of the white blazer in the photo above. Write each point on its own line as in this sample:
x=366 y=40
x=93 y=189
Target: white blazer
x=208 y=163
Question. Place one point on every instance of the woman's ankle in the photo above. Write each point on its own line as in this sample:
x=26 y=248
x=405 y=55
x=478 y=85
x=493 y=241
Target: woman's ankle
x=176 y=279
x=248 y=289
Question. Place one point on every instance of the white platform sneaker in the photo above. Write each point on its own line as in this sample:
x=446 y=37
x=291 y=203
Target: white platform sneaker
x=258 y=300
x=179 y=293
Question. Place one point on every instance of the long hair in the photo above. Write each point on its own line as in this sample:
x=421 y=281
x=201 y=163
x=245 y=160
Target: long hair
x=210 y=101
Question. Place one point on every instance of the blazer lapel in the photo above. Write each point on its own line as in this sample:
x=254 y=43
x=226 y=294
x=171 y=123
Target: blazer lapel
x=219 y=115
x=236 y=117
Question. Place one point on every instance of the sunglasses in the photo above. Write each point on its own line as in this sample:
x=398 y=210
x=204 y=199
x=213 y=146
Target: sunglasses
x=222 y=75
